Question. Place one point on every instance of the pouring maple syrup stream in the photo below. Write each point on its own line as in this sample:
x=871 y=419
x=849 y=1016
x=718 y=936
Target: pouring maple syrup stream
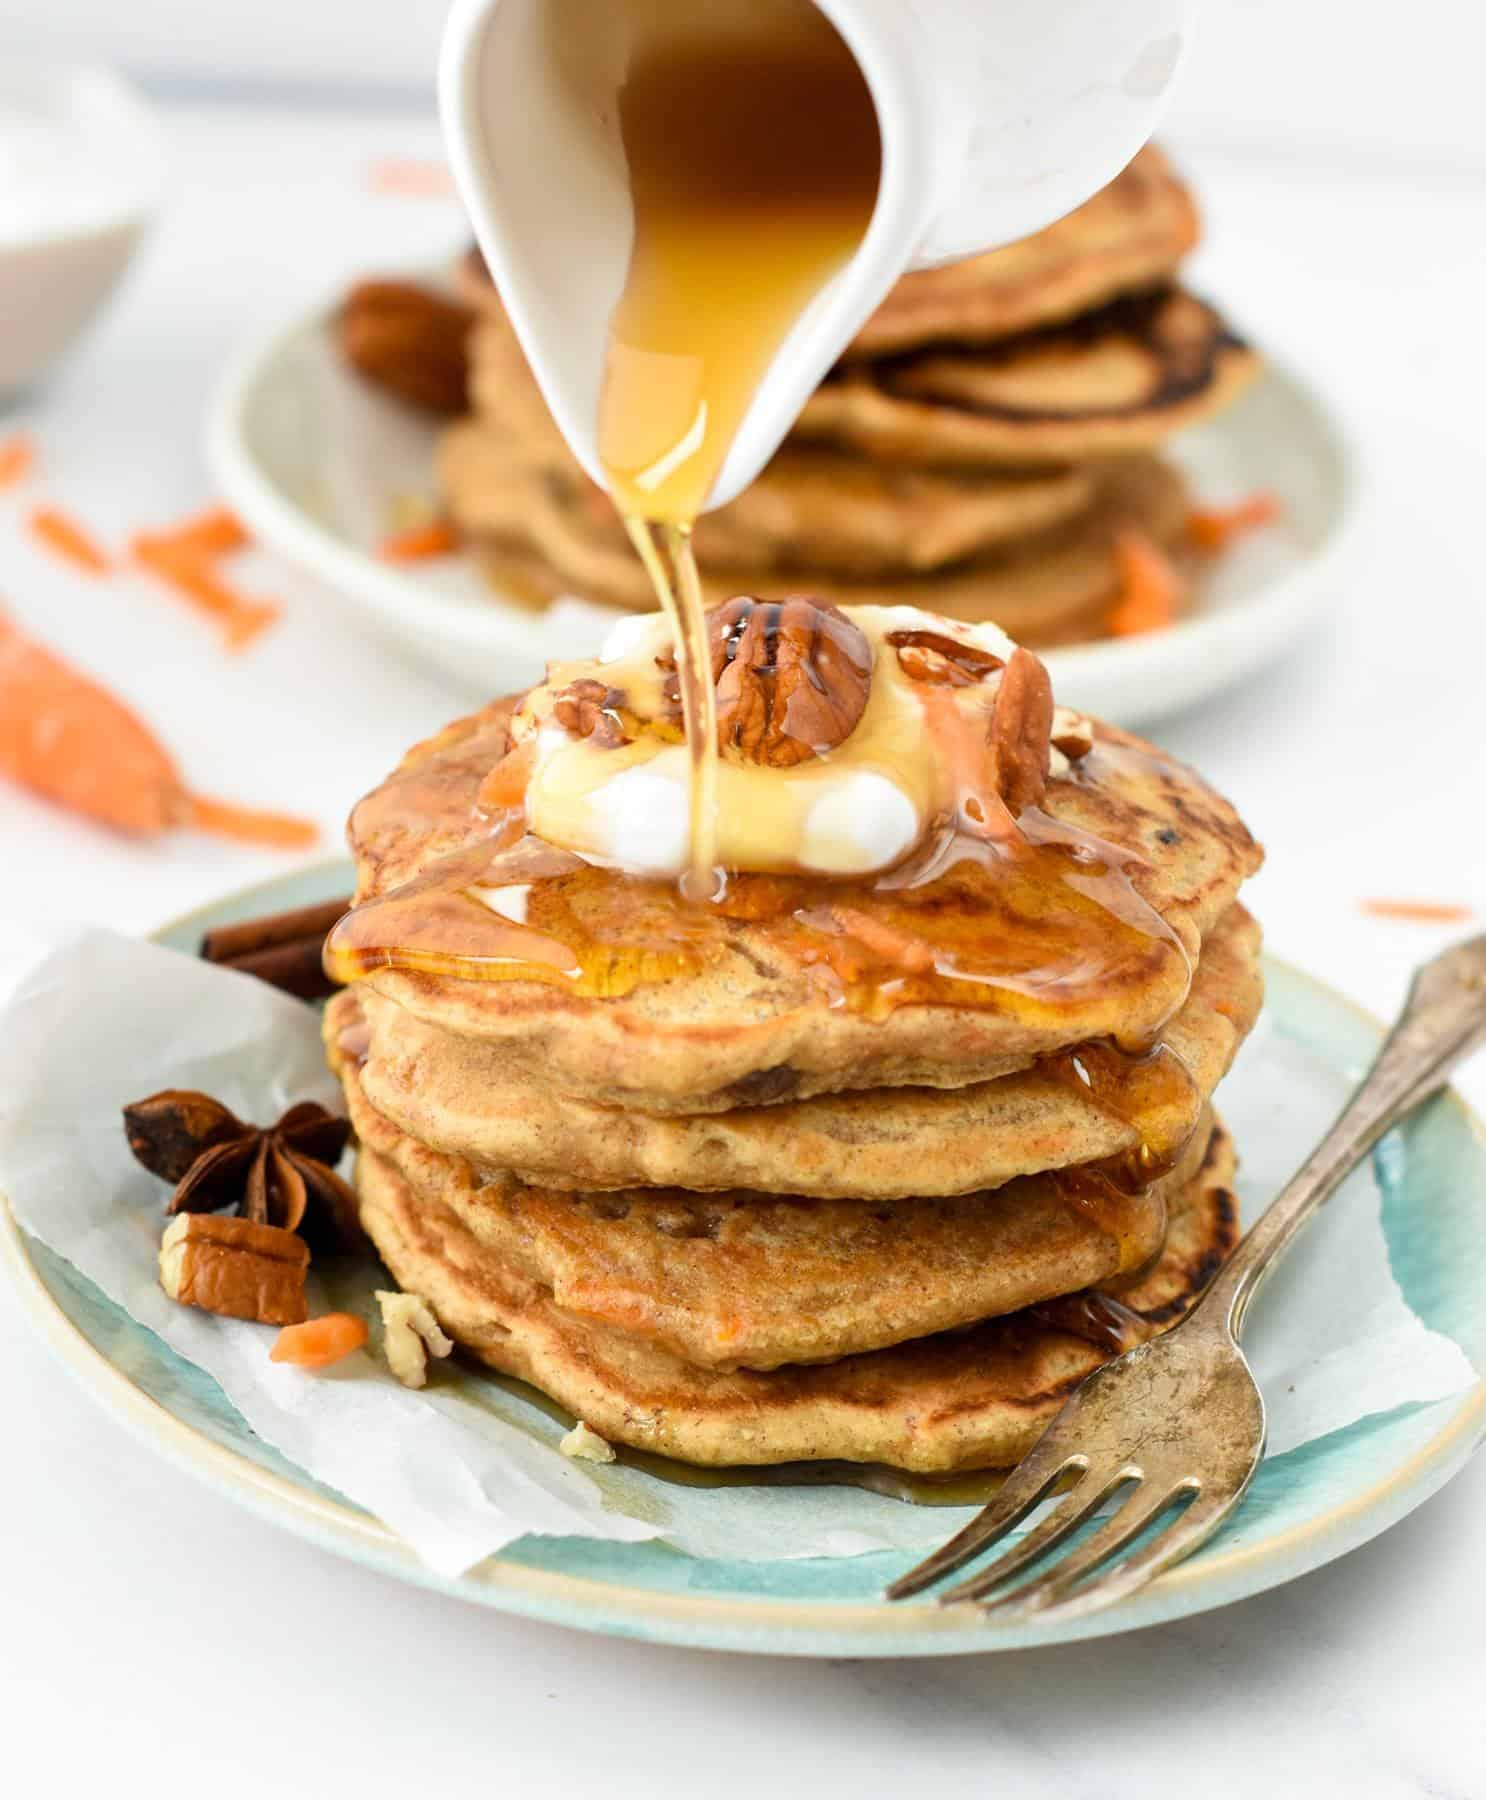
x=754 y=156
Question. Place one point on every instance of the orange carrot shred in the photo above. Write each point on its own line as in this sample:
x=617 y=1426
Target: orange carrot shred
x=69 y=540
x=319 y=1342
x=1213 y=528
x=69 y=740
x=275 y=831
x=17 y=459
x=215 y=532
x=408 y=175
x=1150 y=589
x=187 y=573
x=1419 y=912
x=420 y=542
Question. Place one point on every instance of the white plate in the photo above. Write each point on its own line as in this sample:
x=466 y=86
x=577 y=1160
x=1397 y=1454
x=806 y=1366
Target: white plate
x=316 y=463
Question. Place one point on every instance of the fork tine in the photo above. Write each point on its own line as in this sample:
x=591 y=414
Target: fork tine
x=1180 y=1538
x=1055 y=1584
x=1081 y=1504
x=1026 y=1487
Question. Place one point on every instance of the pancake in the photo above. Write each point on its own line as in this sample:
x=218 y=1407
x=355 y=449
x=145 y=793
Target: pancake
x=540 y=537
x=742 y=1280
x=810 y=508
x=756 y=1018
x=475 y=1101
x=1113 y=383
x=1130 y=236
x=958 y=1400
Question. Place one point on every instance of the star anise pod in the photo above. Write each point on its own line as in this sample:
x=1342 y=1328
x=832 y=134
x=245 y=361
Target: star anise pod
x=281 y=1174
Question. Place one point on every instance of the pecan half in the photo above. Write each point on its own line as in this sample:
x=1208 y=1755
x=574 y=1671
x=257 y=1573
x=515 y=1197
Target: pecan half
x=236 y=1268
x=792 y=678
x=409 y=341
x=935 y=656
x=591 y=709
x=1021 y=724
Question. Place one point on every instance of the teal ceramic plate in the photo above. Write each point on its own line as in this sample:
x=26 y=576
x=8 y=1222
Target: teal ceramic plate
x=1305 y=1507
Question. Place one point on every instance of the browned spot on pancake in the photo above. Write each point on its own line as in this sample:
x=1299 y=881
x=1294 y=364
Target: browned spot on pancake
x=764 y=1086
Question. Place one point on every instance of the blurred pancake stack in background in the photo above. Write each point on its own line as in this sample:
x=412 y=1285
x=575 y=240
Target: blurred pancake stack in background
x=988 y=448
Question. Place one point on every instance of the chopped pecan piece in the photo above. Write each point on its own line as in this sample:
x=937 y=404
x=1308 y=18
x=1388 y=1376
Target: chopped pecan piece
x=935 y=656
x=1021 y=723
x=409 y=341
x=592 y=709
x=236 y=1268
x=792 y=678
x=1071 y=733
x=410 y=1335
x=584 y=1444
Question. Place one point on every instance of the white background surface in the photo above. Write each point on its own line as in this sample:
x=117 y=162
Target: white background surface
x=158 y=1641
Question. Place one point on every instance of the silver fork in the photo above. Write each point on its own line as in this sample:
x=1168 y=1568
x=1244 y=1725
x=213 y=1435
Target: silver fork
x=1179 y=1421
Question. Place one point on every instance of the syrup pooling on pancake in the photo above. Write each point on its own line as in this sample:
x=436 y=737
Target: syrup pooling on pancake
x=1022 y=916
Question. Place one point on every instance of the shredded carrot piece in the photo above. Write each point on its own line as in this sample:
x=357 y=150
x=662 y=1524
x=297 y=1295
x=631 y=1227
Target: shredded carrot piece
x=1419 y=912
x=409 y=175
x=187 y=573
x=276 y=831
x=1150 y=590
x=215 y=532
x=17 y=459
x=69 y=740
x=420 y=542
x=69 y=540
x=319 y=1342
x=1213 y=528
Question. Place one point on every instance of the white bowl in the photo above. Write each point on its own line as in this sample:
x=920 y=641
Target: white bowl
x=80 y=165
x=318 y=463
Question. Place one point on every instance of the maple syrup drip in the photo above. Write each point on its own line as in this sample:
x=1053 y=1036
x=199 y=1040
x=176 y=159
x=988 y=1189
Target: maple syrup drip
x=996 y=927
x=753 y=155
x=675 y=580
x=1153 y=1095
x=1096 y=1317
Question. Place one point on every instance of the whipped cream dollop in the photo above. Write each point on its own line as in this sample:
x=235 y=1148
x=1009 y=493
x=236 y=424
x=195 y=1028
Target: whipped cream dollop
x=860 y=809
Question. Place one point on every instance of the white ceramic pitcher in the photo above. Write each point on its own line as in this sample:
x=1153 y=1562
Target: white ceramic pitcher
x=996 y=117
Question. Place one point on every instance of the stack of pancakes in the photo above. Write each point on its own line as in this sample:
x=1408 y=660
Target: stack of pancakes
x=979 y=450
x=723 y=1217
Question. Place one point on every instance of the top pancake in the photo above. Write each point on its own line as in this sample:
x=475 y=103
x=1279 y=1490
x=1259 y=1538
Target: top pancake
x=755 y=1022
x=1110 y=383
x=1130 y=235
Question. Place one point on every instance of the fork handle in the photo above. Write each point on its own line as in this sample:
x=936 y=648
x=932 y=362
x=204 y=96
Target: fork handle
x=1442 y=1022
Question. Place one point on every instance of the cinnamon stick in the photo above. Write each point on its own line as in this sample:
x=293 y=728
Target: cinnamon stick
x=284 y=949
